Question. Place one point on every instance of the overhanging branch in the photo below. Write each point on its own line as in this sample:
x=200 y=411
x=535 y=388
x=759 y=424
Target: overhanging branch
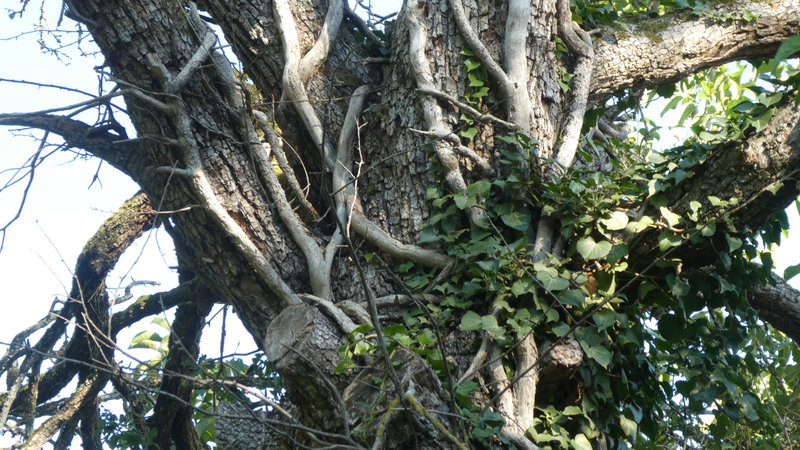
x=652 y=52
x=780 y=306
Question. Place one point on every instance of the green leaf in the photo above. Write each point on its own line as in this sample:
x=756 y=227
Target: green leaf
x=146 y=339
x=695 y=206
x=472 y=64
x=690 y=109
x=600 y=354
x=552 y=282
x=708 y=229
x=637 y=227
x=469 y=133
x=572 y=297
x=471 y=321
x=628 y=426
x=589 y=249
x=604 y=318
x=671 y=328
x=618 y=252
x=480 y=188
x=474 y=81
x=671 y=218
x=672 y=103
x=561 y=329
x=733 y=242
x=617 y=221
x=521 y=287
x=791 y=271
x=774 y=187
x=667 y=240
x=162 y=322
x=581 y=443
x=516 y=220
x=489 y=323
x=787 y=49
x=464 y=201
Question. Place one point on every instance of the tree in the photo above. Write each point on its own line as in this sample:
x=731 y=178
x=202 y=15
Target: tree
x=440 y=234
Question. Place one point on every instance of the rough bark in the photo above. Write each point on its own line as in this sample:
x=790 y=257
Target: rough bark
x=780 y=306
x=651 y=52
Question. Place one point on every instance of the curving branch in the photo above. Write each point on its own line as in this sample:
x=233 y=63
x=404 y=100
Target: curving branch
x=421 y=68
x=312 y=60
x=579 y=43
x=515 y=54
x=505 y=83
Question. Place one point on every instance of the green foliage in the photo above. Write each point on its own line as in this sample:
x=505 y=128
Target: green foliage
x=665 y=350
x=120 y=431
x=733 y=101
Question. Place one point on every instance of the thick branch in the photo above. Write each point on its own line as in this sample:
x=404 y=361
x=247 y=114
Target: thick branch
x=748 y=170
x=780 y=306
x=172 y=416
x=665 y=49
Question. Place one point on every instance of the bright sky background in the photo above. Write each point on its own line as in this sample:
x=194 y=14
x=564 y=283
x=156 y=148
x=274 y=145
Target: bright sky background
x=64 y=208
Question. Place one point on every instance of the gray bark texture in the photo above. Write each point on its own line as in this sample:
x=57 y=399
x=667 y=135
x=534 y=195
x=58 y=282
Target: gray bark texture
x=364 y=137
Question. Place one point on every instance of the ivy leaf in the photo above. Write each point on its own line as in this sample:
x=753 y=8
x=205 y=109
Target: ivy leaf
x=791 y=271
x=552 y=282
x=572 y=297
x=604 y=318
x=671 y=218
x=489 y=323
x=671 y=328
x=581 y=443
x=628 y=426
x=787 y=49
x=471 y=321
x=480 y=188
x=146 y=339
x=637 y=227
x=474 y=81
x=667 y=240
x=516 y=220
x=590 y=249
x=774 y=187
x=472 y=64
x=708 y=229
x=617 y=221
x=464 y=201
x=695 y=206
x=733 y=242
x=469 y=133
x=561 y=329
x=521 y=287
x=600 y=354
x=618 y=252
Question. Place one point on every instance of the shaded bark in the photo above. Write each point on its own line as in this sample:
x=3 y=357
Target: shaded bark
x=780 y=306
x=650 y=52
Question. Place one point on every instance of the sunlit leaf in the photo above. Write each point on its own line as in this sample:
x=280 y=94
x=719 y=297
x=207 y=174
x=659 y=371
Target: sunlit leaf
x=589 y=249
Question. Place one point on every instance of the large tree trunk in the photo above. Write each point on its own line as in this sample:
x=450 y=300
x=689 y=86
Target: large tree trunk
x=324 y=109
